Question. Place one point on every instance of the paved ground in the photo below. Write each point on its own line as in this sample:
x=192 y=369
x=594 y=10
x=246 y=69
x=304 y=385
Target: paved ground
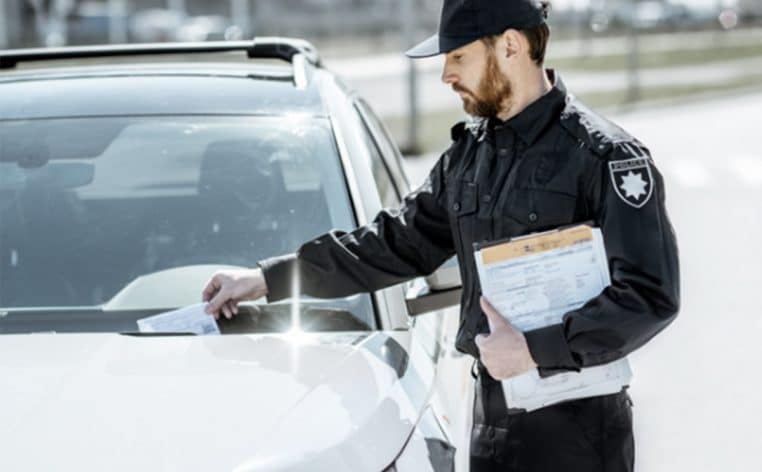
x=696 y=385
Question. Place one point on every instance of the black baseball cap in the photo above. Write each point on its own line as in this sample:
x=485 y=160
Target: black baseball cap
x=465 y=21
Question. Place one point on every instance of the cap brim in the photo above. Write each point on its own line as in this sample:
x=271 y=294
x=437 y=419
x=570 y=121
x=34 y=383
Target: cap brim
x=437 y=44
x=427 y=48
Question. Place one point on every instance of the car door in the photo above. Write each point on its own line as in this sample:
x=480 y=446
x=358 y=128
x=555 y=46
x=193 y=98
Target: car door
x=436 y=330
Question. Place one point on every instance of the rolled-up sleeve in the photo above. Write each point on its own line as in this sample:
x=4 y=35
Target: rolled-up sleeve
x=398 y=245
x=642 y=252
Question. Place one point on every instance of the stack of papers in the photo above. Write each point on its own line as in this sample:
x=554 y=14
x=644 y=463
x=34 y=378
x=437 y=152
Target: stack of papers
x=533 y=281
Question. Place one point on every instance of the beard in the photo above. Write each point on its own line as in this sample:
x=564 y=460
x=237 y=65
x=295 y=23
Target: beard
x=493 y=94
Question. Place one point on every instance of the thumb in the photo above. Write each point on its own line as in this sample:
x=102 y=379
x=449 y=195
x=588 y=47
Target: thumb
x=480 y=339
x=495 y=318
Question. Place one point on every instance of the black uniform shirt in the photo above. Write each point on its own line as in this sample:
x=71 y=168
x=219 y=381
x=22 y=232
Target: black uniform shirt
x=555 y=163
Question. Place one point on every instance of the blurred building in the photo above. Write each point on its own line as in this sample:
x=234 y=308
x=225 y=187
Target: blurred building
x=751 y=9
x=11 y=23
x=88 y=21
x=95 y=21
x=655 y=14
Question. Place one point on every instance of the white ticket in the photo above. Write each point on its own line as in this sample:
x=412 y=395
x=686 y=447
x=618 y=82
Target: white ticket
x=190 y=319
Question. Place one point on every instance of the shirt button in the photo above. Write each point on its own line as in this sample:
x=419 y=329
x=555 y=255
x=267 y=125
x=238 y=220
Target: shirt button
x=456 y=206
x=503 y=151
x=532 y=217
x=487 y=198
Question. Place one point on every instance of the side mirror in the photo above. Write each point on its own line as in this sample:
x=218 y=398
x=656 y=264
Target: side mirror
x=439 y=290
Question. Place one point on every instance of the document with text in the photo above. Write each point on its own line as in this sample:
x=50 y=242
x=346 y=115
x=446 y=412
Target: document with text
x=190 y=319
x=533 y=281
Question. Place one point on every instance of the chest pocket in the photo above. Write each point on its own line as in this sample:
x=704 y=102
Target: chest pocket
x=538 y=209
x=465 y=198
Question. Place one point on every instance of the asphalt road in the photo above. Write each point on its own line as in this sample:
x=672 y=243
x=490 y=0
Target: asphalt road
x=695 y=386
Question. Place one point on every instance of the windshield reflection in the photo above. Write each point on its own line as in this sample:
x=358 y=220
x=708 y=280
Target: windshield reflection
x=91 y=206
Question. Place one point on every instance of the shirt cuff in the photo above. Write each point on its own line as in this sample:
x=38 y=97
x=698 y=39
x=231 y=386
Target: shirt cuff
x=279 y=273
x=550 y=350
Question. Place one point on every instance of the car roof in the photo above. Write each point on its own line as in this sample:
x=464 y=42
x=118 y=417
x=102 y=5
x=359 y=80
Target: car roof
x=148 y=89
x=266 y=76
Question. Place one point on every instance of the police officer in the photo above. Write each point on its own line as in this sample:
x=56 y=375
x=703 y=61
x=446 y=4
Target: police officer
x=532 y=158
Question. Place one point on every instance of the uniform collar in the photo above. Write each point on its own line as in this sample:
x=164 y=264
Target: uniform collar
x=532 y=120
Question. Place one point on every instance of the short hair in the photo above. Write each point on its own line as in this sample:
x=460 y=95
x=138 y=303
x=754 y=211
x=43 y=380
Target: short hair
x=537 y=37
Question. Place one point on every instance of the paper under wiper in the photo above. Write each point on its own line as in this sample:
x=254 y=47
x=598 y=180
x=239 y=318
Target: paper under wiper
x=190 y=319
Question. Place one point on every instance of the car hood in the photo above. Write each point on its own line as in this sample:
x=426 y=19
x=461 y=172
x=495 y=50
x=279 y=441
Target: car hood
x=337 y=402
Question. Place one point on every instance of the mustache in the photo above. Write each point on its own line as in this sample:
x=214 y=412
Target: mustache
x=460 y=88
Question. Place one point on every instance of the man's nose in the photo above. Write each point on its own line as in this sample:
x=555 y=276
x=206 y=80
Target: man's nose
x=448 y=77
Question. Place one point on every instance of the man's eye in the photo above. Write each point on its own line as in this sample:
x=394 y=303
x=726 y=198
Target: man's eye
x=457 y=57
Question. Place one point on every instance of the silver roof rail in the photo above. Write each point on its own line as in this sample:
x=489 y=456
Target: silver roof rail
x=259 y=48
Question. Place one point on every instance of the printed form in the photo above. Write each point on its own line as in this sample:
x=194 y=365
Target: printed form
x=533 y=281
x=190 y=319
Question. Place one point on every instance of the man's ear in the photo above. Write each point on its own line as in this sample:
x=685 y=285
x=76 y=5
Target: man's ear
x=512 y=44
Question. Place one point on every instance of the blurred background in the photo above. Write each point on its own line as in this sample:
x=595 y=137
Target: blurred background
x=684 y=76
x=611 y=53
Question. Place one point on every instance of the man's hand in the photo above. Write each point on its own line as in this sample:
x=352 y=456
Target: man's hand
x=226 y=288
x=504 y=352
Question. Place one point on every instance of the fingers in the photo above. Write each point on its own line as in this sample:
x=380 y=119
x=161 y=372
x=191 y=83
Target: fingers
x=233 y=306
x=216 y=303
x=230 y=308
x=495 y=318
x=211 y=287
x=219 y=298
x=226 y=310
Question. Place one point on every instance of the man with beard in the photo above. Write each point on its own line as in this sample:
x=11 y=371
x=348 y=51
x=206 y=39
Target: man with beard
x=531 y=158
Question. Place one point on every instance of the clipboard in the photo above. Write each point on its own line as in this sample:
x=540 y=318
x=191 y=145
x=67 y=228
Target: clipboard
x=533 y=281
x=479 y=245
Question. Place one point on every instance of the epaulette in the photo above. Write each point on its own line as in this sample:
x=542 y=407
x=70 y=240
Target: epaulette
x=592 y=130
x=456 y=132
x=475 y=126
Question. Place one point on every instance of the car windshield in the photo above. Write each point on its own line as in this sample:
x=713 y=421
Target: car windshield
x=103 y=220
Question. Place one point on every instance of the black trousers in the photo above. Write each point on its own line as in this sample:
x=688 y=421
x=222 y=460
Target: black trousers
x=586 y=435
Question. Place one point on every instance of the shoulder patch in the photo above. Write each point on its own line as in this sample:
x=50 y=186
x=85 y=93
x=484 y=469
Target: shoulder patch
x=632 y=180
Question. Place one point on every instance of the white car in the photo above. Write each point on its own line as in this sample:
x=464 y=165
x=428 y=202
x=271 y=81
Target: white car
x=123 y=188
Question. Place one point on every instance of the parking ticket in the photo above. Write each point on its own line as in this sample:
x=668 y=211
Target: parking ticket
x=191 y=319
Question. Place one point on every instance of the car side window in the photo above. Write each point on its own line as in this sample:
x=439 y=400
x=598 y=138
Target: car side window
x=386 y=144
x=387 y=190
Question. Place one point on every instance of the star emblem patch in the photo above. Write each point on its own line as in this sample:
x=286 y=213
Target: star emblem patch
x=632 y=180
